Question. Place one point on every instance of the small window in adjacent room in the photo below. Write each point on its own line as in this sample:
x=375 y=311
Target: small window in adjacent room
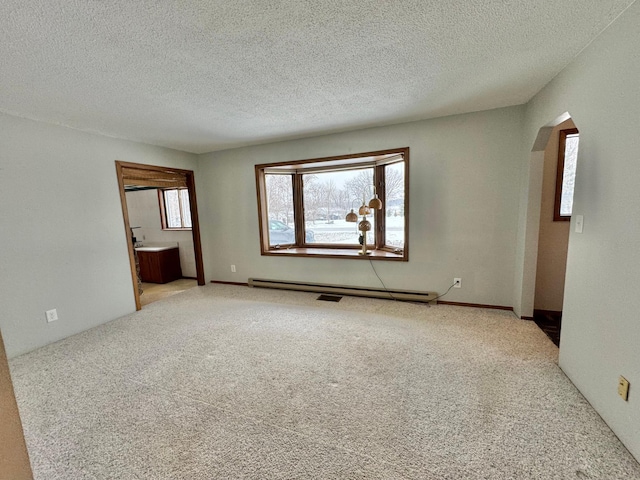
x=175 y=209
x=566 y=176
x=313 y=207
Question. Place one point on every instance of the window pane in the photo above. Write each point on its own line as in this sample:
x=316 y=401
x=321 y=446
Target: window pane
x=280 y=209
x=172 y=208
x=186 y=208
x=569 y=174
x=328 y=197
x=394 y=205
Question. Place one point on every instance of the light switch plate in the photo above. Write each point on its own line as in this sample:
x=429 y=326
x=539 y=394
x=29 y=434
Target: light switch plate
x=579 y=223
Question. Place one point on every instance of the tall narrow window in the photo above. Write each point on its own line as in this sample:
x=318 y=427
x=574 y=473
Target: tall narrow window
x=394 y=196
x=280 y=208
x=175 y=209
x=566 y=176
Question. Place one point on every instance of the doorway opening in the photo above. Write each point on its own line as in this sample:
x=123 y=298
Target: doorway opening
x=152 y=292
x=560 y=157
x=160 y=260
x=551 y=179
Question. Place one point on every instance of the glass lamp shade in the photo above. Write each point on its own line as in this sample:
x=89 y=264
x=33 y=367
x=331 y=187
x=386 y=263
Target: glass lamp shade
x=364 y=210
x=364 y=226
x=351 y=217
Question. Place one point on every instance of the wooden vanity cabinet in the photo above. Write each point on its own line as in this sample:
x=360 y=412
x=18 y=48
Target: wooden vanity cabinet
x=160 y=267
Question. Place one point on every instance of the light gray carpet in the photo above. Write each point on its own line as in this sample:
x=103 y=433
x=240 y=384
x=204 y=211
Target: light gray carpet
x=232 y=382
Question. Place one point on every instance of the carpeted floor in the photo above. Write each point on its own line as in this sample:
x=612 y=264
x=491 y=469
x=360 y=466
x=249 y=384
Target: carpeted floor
x=232 y=382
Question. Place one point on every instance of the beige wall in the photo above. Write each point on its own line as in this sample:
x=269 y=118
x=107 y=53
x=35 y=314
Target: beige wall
x=14 y=459
x=553 y=239
x=464 y=173
x=600 y=326
x=64 y=243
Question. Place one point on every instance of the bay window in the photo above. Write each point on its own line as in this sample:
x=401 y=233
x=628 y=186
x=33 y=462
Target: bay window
x=303 y=204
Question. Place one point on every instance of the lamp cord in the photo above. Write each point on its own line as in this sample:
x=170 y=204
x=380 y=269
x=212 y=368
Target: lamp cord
x=397 y=300
x=381 y=282
x=448 y=289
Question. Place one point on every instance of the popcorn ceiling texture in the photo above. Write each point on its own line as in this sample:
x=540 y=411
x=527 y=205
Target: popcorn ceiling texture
x=232 y=382
x=204 y=75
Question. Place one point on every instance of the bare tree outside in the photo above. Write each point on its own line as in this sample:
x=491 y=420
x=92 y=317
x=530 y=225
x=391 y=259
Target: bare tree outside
x=360 y=187
x=394 y=182
x=330 y=195
x=343 y=200
x=280 y=197
x=314 y=195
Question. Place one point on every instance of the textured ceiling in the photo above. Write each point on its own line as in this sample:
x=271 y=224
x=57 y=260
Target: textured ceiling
x=203 y=75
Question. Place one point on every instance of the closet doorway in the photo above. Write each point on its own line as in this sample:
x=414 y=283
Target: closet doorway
x=140 y=175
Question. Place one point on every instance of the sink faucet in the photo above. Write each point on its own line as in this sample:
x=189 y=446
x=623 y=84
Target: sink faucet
x=133 y=239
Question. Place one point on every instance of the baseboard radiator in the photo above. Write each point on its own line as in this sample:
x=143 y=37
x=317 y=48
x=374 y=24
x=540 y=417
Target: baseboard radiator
x=409 y=296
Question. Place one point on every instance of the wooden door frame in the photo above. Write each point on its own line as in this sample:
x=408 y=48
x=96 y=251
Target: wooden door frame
x=165 y=172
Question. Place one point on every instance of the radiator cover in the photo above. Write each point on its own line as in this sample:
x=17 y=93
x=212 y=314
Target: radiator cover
x=404 y=295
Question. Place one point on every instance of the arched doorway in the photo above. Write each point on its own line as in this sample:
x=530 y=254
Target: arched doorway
x=547 y=235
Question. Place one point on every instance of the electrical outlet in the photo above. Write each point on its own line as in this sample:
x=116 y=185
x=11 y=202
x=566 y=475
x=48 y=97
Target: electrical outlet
x=52 y=315
x=623 y=388
x=457 y=283
x=233 y=268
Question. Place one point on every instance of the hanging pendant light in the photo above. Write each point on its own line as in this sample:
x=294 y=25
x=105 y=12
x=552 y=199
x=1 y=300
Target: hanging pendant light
x=364 y=209
x=375 y=202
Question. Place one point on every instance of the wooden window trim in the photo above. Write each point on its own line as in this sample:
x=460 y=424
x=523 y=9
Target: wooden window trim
x=163 y=211
x=557 y=217
x=333 y=252
x=379 y=251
